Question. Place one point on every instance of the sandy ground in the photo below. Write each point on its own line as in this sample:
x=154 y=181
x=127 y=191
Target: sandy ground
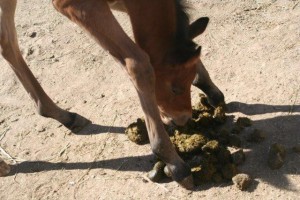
x=252 y=51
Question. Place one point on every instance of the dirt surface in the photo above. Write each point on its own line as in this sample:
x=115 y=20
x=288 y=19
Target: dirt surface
x=252 y=51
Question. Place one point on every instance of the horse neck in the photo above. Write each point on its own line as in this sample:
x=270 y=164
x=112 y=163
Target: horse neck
x=154 y=27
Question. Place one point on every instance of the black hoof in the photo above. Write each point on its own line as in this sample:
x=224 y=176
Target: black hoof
x=187 y=183
x=76 y=123
x=183 y=177
x=4 y=168
x=216 y=99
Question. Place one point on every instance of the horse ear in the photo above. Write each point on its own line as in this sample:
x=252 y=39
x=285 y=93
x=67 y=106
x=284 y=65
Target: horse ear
x=198 y=27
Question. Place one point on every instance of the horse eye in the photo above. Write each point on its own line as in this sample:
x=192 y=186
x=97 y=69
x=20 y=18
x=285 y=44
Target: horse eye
x=177 y=90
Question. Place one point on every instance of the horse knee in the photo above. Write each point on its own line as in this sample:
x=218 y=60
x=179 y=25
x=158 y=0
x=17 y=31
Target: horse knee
x=141 y=72
x=7 y=41
x=7 y=34
x=4 y=43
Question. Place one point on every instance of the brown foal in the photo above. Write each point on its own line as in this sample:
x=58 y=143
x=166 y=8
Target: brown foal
x=162 y=64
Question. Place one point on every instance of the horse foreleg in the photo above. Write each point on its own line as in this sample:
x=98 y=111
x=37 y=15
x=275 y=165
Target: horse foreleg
x=11 y=53
x=204 y=83
x=96 y=18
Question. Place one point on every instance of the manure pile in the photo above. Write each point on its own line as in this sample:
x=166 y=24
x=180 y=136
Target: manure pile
x=209 y=145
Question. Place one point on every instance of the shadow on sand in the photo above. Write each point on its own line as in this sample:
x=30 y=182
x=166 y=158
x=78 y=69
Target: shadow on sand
x=283 y=128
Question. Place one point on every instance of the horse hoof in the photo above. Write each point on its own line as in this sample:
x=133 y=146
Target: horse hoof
x=216 y=99
x=77 y=122
x=183 y=176
x=4 y=168
x=187 y=183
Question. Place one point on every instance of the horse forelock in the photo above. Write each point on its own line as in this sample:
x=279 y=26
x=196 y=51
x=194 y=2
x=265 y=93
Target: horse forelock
x=183 y=47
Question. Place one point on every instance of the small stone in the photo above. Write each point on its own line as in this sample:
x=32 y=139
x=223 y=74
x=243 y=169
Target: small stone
x=72 y=183
x=256 y=136
x=4 y=168
x=242 y=181
x=277 y=153
x=32 y=34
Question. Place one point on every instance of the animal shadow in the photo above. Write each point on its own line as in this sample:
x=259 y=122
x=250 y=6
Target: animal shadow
x=281 y=126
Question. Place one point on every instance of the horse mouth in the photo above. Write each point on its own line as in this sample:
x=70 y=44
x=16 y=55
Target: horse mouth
x=166 y=120
x=177 y=121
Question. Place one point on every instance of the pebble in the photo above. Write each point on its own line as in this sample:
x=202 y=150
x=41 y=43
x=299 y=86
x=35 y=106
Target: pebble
x=32 y=34
x=242 y=181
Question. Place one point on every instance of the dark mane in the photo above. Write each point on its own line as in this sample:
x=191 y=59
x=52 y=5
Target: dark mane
x=183 y=47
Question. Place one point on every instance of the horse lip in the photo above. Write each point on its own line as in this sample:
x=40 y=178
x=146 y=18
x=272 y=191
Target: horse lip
x=182 y=120
x=165 y=118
